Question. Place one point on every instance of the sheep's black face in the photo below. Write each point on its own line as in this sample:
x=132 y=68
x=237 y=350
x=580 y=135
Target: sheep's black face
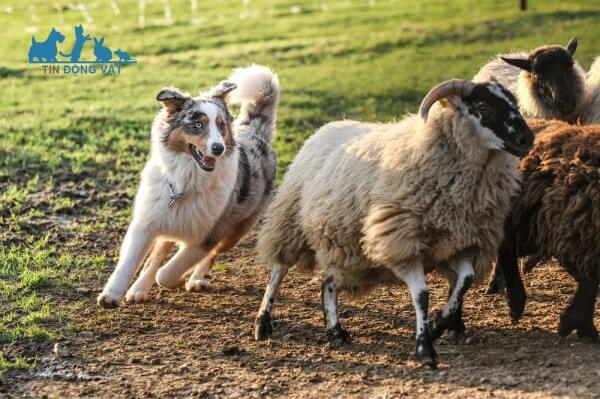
x=552 y=76
x=499 y=123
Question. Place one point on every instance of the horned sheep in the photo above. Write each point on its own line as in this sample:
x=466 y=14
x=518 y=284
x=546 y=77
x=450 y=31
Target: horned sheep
x=547 y=82
x=386 y=203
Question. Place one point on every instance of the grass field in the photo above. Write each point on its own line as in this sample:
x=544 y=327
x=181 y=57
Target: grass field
x=71 y=147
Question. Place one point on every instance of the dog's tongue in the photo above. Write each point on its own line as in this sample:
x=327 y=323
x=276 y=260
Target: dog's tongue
x=209 y=162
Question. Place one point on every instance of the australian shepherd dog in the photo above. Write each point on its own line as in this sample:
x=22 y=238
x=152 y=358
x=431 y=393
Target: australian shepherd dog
x=208 y=179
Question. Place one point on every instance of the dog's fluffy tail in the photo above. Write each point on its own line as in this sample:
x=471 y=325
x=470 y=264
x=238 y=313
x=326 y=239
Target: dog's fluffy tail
x=258 y=93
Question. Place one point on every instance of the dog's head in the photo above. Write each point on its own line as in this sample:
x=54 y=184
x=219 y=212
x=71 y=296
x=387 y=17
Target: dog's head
x=198 y=126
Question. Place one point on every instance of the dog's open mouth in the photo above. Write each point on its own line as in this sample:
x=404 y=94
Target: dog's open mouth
x=207 y=163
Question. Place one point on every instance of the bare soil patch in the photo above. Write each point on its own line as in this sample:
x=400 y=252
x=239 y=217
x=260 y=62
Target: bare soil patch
x=200 y=345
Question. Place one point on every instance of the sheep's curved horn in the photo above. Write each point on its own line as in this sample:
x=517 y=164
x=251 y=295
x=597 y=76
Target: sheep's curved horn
x=454 y=87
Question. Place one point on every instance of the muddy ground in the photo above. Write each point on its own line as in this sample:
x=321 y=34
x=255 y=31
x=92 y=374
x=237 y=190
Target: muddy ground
x=200 y=345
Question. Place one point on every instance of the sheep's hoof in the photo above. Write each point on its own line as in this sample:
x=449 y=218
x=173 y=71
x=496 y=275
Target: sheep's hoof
x=588 y=333
x=453 y=324
x=516 y=303
x=337 y=336
x=262 y=327
x=455 y=337
x=426 y=355
x=496 y=285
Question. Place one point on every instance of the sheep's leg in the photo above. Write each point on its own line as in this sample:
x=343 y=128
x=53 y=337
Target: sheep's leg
x=515 y=290
x=579 y=315
x=336 y=335
x=414 y=278
x=262 y=323
x=451 y=315
x=497 y=282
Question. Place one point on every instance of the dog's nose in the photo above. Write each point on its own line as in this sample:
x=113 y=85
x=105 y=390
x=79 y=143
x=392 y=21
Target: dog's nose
x=217 y=149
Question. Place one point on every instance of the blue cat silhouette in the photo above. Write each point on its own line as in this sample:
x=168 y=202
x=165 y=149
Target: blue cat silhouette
x=80 y=40
x=45 y=51
x=103 y=54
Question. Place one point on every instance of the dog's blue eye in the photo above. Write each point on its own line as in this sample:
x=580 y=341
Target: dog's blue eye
x=198 y=125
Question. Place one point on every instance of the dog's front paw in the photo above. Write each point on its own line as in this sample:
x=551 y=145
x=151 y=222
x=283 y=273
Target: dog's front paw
x=108 y=301
x=137 y=297
x=197 y=285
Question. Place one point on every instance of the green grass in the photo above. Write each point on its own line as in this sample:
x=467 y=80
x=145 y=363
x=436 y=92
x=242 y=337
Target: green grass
x=71 y=147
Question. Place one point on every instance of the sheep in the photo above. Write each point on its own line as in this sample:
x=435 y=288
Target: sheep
x=383 y=203
x=548 y=83
x=592 y=114
x=557 y=214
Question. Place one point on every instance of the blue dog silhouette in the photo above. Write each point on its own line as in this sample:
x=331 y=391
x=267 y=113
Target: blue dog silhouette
x=45 y=51
x=80 y=40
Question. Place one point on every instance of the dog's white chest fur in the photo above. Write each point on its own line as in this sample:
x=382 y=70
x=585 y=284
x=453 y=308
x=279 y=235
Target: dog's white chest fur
x=190 y=218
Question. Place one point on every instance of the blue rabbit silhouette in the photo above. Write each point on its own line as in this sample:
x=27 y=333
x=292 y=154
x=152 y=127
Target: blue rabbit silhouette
x=103 y=54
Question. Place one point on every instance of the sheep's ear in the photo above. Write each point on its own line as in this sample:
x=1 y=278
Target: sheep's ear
x=223 y=89
x=172 y=99
x=572 y=45
x=520 y=63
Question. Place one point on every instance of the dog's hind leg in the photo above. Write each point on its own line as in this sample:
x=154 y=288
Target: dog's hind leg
x=136 y=245
x=139 y=291
x=170 y=275
x=200 y=278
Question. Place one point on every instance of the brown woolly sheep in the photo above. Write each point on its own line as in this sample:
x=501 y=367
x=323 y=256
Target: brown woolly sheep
x=386 y=203
x=557 y=214
x=548 y=83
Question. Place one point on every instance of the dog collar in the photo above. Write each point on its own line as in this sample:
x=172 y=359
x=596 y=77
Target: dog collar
x=173 y=196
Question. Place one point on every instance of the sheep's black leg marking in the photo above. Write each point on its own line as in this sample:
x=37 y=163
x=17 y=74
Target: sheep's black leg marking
x=336 y=335
x=425 y=352
x=579 y=315
x=497 y=282
x=455 y=326
x=414 y=278
x=262 y=324
x=515 y=290
x=451 y=315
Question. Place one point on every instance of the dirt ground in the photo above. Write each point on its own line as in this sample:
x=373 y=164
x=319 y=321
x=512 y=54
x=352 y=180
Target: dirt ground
x=200 y=345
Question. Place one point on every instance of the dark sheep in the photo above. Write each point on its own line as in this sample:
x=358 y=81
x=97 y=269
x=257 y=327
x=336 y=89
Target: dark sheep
x=557 y=215
x=547 y=81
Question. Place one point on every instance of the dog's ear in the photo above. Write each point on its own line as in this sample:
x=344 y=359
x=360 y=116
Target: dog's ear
x=172 y=99
x=223 y=89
